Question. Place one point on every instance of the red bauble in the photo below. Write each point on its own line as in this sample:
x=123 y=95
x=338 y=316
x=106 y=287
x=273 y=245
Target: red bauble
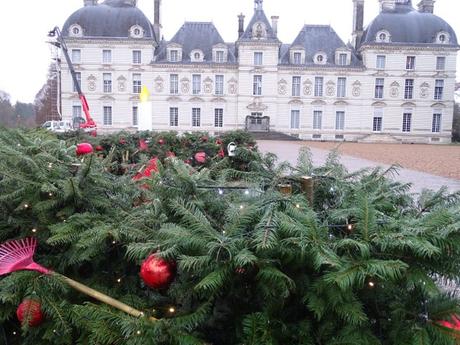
x=122 y=141
x=143 y=145
x=453 y=324
x=84 y=149
x=99 y=148
x=200 y=157
x=157 y=273
x=221 y=153
x=218 y=142
x=161 y=141
x=30 y=311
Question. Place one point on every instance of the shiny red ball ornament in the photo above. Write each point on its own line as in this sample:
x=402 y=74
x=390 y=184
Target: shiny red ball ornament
x=161 y=141
x=30 y=311
x=221 y=153
x=157 y=273
x=99 y=148
x=200 y=157
x=143 y=145
x=84 y=149
x=219 y=142
x=122 y=141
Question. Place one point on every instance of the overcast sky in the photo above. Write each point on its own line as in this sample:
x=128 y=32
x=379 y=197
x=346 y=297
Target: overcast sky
x=24 y=25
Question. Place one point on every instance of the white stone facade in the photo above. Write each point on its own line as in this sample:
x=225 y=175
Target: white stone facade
x=351 y=106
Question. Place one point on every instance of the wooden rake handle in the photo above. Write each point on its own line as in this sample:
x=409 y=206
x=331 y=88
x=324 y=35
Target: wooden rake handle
x=103 y=298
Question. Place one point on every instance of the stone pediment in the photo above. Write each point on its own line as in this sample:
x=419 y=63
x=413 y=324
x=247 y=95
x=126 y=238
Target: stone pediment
x=74 y=96
x=408 y=105
x=296 y=102
x=438 y=105
x=196 y=99
x=318 y=102
x=257 y=105
x=107 y=98
x=379 y=104
x=134 y=98
x=218 y=100
x=174 y=99
x=340 y=103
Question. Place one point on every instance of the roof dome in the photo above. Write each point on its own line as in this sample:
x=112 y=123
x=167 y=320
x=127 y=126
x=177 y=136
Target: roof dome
x=405 y=25
x=111 y=19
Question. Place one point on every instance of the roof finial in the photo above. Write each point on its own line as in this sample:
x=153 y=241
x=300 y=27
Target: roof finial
x=258 y=5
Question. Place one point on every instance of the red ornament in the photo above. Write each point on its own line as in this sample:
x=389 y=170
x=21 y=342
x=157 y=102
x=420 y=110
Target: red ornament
x=122 y=141
x=221 y=153
x=170 y=154
x=454 y=324
x=30 y=311
x=188 y=161
x=200 y=157
x=84 y=149
x=161 y=141
x=143 y=145
x=219 y=142
x=99 y=148
x=157 y=273
x=204 y=139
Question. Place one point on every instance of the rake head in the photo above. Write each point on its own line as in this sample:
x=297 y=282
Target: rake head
x=18 y=255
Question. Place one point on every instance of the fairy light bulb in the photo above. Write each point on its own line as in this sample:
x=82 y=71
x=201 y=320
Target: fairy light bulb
x=172 y=310
x=26 y=205
x=50 y=195
x=34 y=230
x=350 y=227
x=14 y=333
x=114 y=242
x=298 y=206
x=224 y=232
x=371 y=284
x=246 y=192
x=221 y=192
x=119 y=280
x=50 y=165
x=241 y=207
x=138 y=332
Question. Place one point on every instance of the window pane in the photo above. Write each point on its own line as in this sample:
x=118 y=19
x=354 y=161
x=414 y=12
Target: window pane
x=219 y=56
x=410 y=62
x=174 y=117
x=340 y=120
x=436 y=125
x=407 y=122
x=258 y=58
x=342 y=59
x=107 y=56
x=196 y=87
x=317 y=119
x=440 y=63
x=297 y=58
x=137 y=57
x=379 y=87
x=196 y=117
x=219 y=84
x=137 y=83
x=257 y=85
x=341 y=87
x=174 y=55
x=107 y=77
x=76 y=111
x=135 y=116
x=76 y=55
x=409 y=89
x=295 y=119
x=218 y=117
x=319 y=86
x=107 y=116
x=439 y=89
x=296 y=86
x=381 y=61
x=174 y=84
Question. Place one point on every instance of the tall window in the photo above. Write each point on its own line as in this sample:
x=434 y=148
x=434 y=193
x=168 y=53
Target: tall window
x=342 y=59
x=295 y=119
x=78 y=77
x=137 y=57
x=107 y=77
x=137 y=83
x=379 y=87
x=106 y=56
x=218 y=117
x=219 y=85
x=317 y=119
x=339 y=120
x=439 y=89
x=196 y=117
x=76 y=111
x=257 y=85
x=295 y=86
x=135 y=116
x=407 y=122
x=174 y=55
x=220 y=56
x=173 y=84
x=258 y=58
x=196 y=81
x=378 y=120
x=409 y=89
x=174 y=117
x=381 y=61
x=297 y=58
x=76 y=55
x=107 y=116
x=440 y=63
x=341 y=87
x=436 y=125
x=410 y=63
x=319 y=81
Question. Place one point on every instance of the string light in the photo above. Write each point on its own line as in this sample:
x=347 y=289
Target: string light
x=224 y=232
x=119 y=280
x=50 y=165
x=26 y=205
x=50 y=194
x=114 y=242
x=246 y=192
x=138 y=332
x=298 y=206
x=371 y=284
x=241 y=207
x=221 y=192
x=172 y=310
x=34 y=230
x=14 y=333
x=350 y=227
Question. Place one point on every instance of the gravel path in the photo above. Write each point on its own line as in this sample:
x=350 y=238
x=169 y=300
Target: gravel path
x=289 y=150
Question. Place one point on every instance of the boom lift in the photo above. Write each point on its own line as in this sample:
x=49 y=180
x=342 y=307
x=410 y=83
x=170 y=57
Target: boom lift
x=89 y=125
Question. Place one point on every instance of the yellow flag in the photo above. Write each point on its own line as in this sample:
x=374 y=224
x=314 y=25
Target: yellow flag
x=145 y=94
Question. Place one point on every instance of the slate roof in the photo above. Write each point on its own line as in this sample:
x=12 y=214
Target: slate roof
x=196 y=35
x=110 y=19
x=319 y=38
x=259 y=16
x=407 y=25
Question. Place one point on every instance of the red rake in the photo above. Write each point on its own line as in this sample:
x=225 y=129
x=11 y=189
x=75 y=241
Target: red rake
x=17 y=255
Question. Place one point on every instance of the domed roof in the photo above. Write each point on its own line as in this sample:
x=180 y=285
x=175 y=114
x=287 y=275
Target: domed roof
x=405 y=25
x=111 y=19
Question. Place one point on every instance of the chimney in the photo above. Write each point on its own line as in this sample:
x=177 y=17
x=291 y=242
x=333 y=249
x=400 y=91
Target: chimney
x=275 y=25
x=426 y=6
x=240 y=25
x=358 y=22
x=157 y=19
x=90 y=2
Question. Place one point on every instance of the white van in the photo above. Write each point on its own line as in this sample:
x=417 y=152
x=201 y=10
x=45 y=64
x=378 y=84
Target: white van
x=58 y=126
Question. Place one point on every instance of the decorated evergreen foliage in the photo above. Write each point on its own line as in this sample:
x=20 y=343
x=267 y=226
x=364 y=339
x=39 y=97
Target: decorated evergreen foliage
x=241 y=262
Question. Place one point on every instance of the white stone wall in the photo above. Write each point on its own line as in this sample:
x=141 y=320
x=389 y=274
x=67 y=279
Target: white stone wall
x=276 y=101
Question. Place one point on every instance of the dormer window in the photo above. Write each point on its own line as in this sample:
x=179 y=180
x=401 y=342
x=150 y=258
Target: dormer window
x=219 y=53
x=297 y=58
x=174 y=52
x=196 y=56
x=136 y=31
x=220 y=56
x=320 y=58
x=174 y=56
x=442 y=38
x=383 y=37
x=75 y=30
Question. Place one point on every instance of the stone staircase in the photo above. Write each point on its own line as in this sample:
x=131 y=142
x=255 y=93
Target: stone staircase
x=273 y=136
x=379 y=138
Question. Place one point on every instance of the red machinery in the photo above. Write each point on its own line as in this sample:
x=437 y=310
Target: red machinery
x=87 y=125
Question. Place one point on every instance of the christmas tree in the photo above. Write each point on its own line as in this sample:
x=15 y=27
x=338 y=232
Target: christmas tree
x=220 y=250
